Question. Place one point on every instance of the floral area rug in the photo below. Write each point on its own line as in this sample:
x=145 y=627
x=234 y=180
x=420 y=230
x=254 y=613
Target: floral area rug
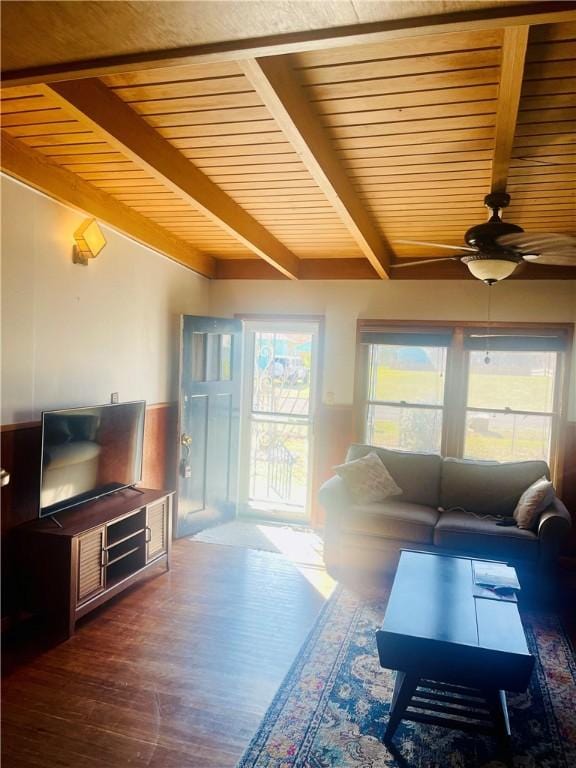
x=331 y=710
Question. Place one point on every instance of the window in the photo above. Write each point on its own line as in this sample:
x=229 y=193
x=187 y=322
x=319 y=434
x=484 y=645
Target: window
x=463 y=391
x=406 y=396
x=212 y=356
x=510 y=405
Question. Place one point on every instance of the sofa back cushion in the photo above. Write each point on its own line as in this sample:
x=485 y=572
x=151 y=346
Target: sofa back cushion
x=487 y=488
x=418 y=474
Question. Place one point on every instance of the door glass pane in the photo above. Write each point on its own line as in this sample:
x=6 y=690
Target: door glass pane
x=279 y=463
x=225 y=357
x=198 y=357
x=507 y=436
x=212 y=356
x=410 y=374
x=282 y=373
x=407 y=429
x=522 y=381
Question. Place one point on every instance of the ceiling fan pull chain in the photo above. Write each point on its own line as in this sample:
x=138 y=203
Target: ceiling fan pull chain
x=487 y=358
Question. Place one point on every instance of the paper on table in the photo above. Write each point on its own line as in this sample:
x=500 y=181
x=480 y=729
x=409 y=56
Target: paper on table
x=490 y=593
x=494 y=575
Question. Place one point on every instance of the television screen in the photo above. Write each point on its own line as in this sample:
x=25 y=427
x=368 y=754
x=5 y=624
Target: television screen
x=89 y=452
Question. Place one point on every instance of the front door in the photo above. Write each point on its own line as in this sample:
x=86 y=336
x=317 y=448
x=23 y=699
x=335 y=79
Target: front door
x=209 y=409
x=278 y=419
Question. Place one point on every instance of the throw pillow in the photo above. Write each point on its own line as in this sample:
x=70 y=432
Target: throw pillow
x=367 y=479
x=533 y=502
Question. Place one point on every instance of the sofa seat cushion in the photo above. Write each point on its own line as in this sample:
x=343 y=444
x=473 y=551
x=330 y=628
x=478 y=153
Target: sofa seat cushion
x=392 y=519
x=465 y=533
x=487 y=488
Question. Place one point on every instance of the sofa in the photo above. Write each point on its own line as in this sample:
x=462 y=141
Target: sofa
x=447 y=504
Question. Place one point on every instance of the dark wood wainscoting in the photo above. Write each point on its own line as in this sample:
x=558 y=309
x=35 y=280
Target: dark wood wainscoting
x=159 y=470
x=20 y=448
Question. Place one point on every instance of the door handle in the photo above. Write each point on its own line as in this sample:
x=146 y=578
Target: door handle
x=186 y=443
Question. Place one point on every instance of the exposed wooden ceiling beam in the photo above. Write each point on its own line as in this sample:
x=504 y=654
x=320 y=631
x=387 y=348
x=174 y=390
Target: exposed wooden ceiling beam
x=360 y=269
x=333 y=37
x=277 y=86
x=22 y=163
x=310 y=269
x=514 y=47
x=92 y=102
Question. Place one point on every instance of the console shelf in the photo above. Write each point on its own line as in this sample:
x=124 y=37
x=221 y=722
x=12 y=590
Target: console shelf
x=103 y=547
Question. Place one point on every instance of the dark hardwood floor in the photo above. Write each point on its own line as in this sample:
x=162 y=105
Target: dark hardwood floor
x=175 y=673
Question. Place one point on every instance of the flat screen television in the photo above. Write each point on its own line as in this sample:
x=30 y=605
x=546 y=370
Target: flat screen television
x=89 y=452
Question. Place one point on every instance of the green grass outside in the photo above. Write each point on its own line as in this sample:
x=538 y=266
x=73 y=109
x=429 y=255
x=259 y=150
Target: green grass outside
x=486 y=390
x=530 y=445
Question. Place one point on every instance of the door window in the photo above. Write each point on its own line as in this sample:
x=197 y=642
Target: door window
x=278 y=417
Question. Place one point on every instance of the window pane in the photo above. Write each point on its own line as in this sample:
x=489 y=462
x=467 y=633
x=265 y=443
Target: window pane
x=412 y=374
x=522 y=381
x=198 y=357
x=507 y=436
x=212 y=356
x=282 y=373
x=225 y=357
x=279 y=463
x=408 y=429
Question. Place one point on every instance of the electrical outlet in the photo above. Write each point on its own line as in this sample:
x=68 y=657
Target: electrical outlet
x=114 y=397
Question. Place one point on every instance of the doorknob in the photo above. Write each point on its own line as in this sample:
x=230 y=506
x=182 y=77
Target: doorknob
x=186 y=443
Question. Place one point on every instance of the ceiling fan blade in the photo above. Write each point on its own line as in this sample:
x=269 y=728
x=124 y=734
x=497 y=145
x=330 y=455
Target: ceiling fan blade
x=437 y=245
x=538 y=241
x=559 y=258
x=425 y=261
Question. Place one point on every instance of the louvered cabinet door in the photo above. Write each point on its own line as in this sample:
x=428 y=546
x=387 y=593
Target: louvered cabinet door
x=157 y=528
x=90 y=568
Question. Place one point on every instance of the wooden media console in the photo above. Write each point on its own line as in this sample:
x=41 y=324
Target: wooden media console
x=103 y=547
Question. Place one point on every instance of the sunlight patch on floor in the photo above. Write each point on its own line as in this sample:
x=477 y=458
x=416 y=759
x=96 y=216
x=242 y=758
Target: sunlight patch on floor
x=304 y=550
x=301 y=546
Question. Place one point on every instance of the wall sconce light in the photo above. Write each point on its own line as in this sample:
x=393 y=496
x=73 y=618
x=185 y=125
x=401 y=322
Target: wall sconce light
x=89 y=242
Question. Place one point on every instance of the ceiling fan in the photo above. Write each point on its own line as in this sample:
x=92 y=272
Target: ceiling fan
x=494 y=249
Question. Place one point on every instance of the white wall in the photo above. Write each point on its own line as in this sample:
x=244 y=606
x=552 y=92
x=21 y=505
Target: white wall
x=71 y=334
x=343 y=302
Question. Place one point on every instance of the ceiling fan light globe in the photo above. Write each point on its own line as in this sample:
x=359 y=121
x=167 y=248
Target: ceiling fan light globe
x=491 y=270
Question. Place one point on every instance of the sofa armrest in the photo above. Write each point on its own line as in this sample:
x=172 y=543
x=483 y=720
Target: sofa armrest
x=334 y=496
x=554 y=523
x=335 y=499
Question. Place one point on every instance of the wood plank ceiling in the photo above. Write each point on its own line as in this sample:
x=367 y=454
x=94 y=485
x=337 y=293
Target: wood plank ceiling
x=314 y=163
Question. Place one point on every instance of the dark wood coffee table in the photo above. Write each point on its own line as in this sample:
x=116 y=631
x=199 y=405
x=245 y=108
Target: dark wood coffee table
x=455 y=653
